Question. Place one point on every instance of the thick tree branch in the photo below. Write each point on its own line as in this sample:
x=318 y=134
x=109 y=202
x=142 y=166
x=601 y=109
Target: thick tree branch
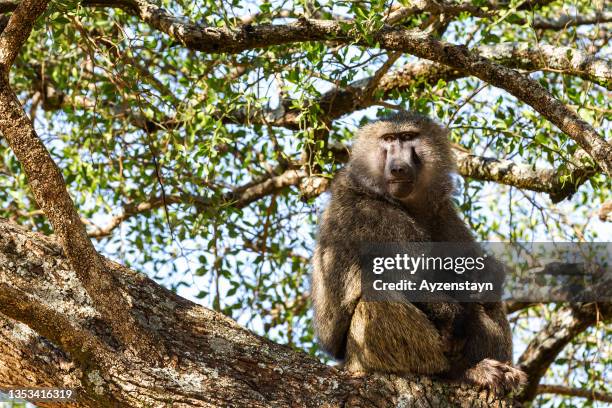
x=17 y=30
x=566 y=323
x=7 y=6
x=48 y=185
x=224 y=39
x=211 y=360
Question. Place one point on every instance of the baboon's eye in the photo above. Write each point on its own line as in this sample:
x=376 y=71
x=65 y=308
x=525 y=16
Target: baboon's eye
x=403 y=136
x=388 y=137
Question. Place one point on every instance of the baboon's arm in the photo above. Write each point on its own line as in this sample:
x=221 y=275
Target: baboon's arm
x=335 y=290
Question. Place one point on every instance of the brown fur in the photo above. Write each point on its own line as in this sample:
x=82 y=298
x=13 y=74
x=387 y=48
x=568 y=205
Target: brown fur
x=453 y=340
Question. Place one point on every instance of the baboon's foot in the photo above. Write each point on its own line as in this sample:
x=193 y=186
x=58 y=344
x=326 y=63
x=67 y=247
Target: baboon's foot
x=496 y=376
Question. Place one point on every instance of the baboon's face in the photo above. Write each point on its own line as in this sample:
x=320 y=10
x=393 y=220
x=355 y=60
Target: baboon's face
x=402 y=155
x=402 y=165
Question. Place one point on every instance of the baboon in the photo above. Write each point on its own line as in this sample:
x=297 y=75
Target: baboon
x=397 y=187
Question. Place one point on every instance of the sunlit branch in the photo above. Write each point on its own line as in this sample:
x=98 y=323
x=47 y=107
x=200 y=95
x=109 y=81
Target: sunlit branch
x=545 y=57
x=523 y=176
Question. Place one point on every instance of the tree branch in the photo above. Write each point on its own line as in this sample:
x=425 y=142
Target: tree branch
x=574 y=392
x=7 y=6
x=48 y=185
x=239 y=197
x=523 y=176
x=564 y=21
x=547 y=57
x=211 y=360
x=374 y=81
x=18 y=30
x=415 y=42
x=566 y=323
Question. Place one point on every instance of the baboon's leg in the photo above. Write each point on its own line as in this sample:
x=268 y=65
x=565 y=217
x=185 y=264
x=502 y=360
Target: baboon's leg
x=393 y=337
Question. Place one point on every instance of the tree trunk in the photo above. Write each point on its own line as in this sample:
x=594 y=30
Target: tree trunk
x=51 y=336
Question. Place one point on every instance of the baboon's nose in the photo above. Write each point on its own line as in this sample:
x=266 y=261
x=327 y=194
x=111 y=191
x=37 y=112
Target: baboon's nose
x=398 y=171
x=402 y=172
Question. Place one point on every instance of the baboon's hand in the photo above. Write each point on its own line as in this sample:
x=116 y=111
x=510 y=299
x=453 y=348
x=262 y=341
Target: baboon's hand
x=499 y=377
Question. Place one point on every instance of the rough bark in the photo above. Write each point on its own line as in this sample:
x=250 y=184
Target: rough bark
x=49 y=189
x=17 y=31
x=52 y=335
